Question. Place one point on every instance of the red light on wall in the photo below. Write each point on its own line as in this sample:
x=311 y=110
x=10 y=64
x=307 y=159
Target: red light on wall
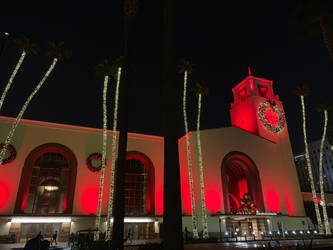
x=251 y=84
x=159 y=201
x=242 y=187
x=272 y=117
x=89 y=200
x=273 y=201
x=3 y=194
x=213 y=201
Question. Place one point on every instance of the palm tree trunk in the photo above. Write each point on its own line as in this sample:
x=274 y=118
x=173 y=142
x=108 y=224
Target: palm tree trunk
x=119 y=202
x=172 y=211
x=24 y=107
x=307 y=156
x=321 y=182
x=189 y=163
x=113 y=152
x=101 y=182
x=18 y=65
x=202 y=183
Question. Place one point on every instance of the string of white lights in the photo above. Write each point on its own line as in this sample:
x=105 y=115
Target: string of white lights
x=18 y=118
x=113 y=160
x=100 y=194
x=10 y=81
x=202 y=183
x=321 y=181
x=314 y=194
x=189 y=162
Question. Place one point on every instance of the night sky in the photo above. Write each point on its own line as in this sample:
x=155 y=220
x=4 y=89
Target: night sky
x=221 y=40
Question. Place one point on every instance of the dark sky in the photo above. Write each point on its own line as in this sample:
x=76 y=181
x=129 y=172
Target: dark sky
x=221 y=40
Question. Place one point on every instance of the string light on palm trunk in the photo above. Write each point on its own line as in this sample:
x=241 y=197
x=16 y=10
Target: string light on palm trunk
x=314 y=194
x=18 y=118
x=321 y=179
x=100 y=196
x=17 y=67
x=202 y=186
x=189 y=162
x=114 y=156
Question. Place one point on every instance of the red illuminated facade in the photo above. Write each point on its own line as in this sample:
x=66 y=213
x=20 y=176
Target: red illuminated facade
x=253 y=157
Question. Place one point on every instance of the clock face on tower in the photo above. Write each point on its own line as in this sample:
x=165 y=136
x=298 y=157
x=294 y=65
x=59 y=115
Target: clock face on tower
x=271 y=116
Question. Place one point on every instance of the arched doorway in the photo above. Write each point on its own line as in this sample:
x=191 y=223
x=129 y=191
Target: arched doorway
x=139 y=194
x=48 y=181
x=139 y=185
x=239 y=176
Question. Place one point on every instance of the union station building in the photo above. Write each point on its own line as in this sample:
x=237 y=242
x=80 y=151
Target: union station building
x=50 y=180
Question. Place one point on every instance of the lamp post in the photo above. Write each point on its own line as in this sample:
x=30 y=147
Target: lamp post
x=245 y=236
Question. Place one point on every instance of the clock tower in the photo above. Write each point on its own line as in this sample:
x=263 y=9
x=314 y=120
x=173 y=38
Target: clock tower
x=256 y=109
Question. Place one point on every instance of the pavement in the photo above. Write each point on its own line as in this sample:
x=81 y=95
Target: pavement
x=318 y=243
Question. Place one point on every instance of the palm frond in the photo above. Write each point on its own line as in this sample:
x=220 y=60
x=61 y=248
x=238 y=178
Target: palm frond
x=302 y=90
x=104 y=68
x=27 y=44
x=201 y=88
x=185 y=65
x=323 y=105
x=58 y=50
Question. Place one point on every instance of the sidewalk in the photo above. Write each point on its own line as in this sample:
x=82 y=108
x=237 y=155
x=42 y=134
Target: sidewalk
x=10 y=246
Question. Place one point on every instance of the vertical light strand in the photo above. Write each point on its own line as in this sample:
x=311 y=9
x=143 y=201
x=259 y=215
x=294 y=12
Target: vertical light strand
x=202 y=183
x=10 y=81
x=307 y=157
x=101 y=182
x=114 y=156
x=193 y=213
x=24 y=107
x=321 y=182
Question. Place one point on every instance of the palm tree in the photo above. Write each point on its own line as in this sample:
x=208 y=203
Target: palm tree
x=172 y=215
x=323 y=107
x=27 y=45
x=314 y=18
x=186 y=68
x=301 y=91
x=200 y=90
x=116 y=73
x=103 y=69
x=59 y=52
x=130 y=7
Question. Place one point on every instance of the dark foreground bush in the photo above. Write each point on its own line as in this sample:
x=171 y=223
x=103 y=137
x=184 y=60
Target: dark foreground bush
x=152 y=246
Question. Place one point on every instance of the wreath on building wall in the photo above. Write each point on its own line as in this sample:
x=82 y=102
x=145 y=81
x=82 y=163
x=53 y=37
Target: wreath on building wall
x=12 y=153
x=247 y=205
x=93 y=157
x=271 y=116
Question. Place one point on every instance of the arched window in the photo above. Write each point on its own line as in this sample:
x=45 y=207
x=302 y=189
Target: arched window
x=47 y=181
x=139 y=185
x=240 y=176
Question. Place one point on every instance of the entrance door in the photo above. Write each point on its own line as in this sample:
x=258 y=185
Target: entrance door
x=31 y=230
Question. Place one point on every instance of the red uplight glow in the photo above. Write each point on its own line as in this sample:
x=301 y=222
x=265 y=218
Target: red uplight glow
x=3 y=194
x=213 y=201
x=273 y=201
x=90 y=200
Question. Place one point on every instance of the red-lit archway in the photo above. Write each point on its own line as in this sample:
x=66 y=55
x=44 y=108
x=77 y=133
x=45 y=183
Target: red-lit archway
x=27 y=174
x=150 y=191
x=239 y=176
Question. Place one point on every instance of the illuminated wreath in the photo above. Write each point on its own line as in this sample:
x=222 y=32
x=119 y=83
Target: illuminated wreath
x=12 y=153
x=94 y=156
x=276 y=109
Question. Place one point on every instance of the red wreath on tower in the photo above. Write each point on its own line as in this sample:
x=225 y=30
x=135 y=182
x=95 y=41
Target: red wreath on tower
x=91 y=157
x=12 y=153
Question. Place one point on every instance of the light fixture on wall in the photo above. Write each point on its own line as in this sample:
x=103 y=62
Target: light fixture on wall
x=41 y=219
